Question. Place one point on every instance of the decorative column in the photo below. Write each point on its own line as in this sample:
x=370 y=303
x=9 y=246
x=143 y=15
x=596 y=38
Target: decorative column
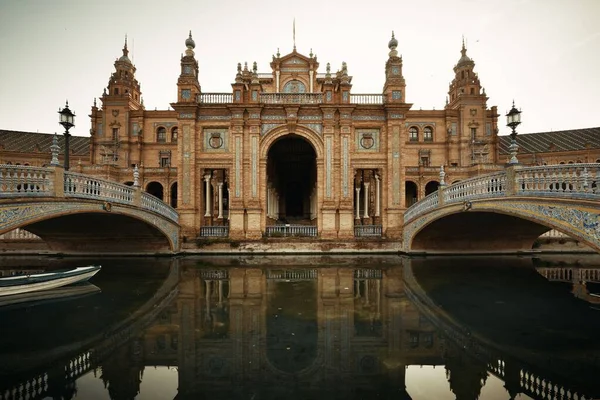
x=207 y=180
x=377 y=195
x=54 y=149
x=357 y=203
x=277 y=81
x=366 y=194
x=220 y=186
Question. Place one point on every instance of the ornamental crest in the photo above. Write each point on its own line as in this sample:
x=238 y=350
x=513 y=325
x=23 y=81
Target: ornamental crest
x=367 y=140
x=216 y=140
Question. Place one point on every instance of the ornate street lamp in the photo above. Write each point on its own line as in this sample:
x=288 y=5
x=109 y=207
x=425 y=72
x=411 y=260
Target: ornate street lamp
x=67 y=119
x=513 y=119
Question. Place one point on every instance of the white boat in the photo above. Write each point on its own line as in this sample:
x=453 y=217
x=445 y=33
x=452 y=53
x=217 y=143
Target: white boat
x=48 y=280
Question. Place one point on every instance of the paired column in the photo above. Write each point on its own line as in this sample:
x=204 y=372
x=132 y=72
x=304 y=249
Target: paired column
x=357 y=203
x=366 y=201
x=208 y=212
x=377 y=195
x=220 y=186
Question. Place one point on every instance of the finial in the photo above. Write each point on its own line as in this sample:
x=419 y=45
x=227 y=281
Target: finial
x=94 y=102
x=254 y=67
x=125 y=51
x=142 y=101
x=278 y=54
x=245 y=65
x=54 y=150
x=311 y=53
x=392 y=45
x=104 y=92
x=239 y=67
x=463 y=50
x=294 y=33
x=328 y=68
x=442 y=176
x=136 y=176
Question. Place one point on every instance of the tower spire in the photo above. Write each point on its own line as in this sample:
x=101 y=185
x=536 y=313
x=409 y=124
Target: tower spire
x=294 y=33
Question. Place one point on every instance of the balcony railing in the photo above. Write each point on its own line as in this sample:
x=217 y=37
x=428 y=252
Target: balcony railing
x=366 y=99
x=215 y=98
x=291 y=230
x=368 y=231
x=291 y=98
x=214 y=231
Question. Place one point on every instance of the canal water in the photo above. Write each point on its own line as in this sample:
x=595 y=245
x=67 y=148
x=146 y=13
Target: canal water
x=376 y=327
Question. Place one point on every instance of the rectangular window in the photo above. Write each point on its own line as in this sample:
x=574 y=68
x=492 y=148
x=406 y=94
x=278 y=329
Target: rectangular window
x=473 y=133
x=238 y=95
x=165 y=162
x=424 y=161
x=115 y=133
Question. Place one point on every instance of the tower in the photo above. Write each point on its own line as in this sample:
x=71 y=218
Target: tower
x=112 y=122
x=394 y=89
x=188 y=87
x=475 y=128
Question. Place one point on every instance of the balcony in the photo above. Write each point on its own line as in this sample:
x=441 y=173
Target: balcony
x=291 y=98
x=368 y=231
x=291 y=230
x=214 y=231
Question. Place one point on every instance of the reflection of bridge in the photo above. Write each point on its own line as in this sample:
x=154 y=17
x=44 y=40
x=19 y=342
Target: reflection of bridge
x=579 y=277
x=76 y=212
x=507 y=210
x=76 y=362
x=519 y=375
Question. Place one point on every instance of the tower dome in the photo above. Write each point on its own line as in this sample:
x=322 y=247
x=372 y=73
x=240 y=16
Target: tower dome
x=189 y=42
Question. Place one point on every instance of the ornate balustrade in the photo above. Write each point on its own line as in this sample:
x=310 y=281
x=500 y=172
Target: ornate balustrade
x=368 y=230
x=215 y=98
x=214 y=231
x=291 y=230
x=421 y=207
x=21 y=180
x=26 y=181
x=150 y=202
x=492 y=185
x=292 y=274
x=85 y=186
x=574 y=180
x=571 y=181
x=366 y=98
x=291 y=98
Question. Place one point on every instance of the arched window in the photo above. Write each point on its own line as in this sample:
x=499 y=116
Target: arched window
x=413 y=134
x=161 y=135
x=428 y=134
x=174 y=134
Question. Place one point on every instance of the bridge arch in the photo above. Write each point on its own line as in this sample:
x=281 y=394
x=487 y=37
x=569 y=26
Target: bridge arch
x=503 y=225
x=89 y=225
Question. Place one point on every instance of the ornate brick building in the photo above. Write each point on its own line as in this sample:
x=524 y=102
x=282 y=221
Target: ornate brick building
x=293 y=146
x=292 y=151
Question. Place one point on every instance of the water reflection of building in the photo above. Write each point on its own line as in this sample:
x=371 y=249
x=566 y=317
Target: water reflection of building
x=293 y=331
x=579 y=277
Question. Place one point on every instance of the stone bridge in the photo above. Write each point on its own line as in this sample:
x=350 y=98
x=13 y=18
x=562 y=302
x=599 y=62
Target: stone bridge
x=73 y=212
x=507 y=211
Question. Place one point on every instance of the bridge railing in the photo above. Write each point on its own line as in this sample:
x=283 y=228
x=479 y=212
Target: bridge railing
x=574 y=180
x=22 y=180
x=85 y=186
x=27 y=181
x=565 y=180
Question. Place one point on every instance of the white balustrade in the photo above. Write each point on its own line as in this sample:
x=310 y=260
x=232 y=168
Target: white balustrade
x=291 y=230
x=493 y=185
x=25 y=181
x=85 y=186
x=366 y=99
x=152 y=203
x=215 y=98
x=214 y=231
x=368 y=230
x=421 y=207
x=572 y=180
x=291 y=98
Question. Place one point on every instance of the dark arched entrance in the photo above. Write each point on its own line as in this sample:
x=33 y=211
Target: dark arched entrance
x=174 y=195
x=291 y=181
x=411 y=192
x=155 y=189
x=431 y=187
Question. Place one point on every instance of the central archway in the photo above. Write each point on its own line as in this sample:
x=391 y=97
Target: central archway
x=291 y=181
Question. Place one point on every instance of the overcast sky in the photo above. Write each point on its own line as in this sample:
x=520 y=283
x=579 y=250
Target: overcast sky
x=544 y=54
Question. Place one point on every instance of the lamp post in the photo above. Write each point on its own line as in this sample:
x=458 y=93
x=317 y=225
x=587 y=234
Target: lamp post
x=66 y=120
x=513 y=119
